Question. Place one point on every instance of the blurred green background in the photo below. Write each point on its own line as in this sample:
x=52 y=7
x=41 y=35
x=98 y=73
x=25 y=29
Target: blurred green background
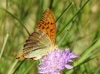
x=78 y=28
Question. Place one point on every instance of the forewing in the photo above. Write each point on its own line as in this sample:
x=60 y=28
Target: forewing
x=47 y=25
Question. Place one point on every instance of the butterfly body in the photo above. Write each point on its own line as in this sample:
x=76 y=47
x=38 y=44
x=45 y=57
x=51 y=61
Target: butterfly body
x=42 y=40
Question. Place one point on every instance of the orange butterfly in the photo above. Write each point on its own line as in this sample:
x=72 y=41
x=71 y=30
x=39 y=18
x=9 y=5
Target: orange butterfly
x=42 y=40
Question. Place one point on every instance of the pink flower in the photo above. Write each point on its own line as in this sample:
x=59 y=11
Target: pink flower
x=56 y=61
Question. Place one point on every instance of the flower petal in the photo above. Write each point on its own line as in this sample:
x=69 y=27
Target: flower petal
x=68 y=66
x=73 y=55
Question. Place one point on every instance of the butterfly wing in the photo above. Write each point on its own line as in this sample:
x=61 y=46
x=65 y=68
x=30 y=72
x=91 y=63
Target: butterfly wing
x=47 y=25
x=41 y=41
x=37 y=45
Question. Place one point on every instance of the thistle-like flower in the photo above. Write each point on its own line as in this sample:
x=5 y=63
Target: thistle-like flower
x=56 y=61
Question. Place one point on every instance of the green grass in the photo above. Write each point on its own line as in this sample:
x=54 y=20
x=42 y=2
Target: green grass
x=78 y=28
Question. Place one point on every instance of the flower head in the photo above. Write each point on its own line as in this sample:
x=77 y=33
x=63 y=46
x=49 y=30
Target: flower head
x=56 y=61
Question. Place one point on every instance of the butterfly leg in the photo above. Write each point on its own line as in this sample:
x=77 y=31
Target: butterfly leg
x=20 y=56
x=34 y=58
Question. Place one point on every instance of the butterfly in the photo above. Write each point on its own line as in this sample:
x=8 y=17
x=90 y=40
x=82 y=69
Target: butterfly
x=42 y=41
